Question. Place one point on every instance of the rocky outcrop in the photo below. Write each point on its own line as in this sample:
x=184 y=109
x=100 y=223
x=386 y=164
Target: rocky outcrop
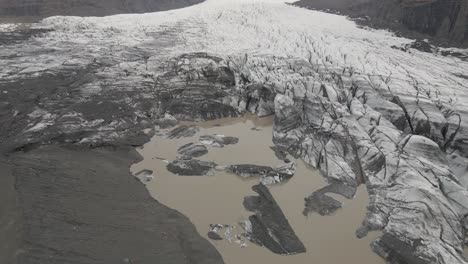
x=441 y=18
x=16 y=9
x=444 y=21
x=269 y=226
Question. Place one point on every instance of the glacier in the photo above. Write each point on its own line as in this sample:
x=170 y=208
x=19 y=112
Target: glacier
x=345 y=101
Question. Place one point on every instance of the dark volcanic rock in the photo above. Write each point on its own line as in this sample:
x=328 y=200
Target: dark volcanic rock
x=191 y=167
x=421 y=45
x=45 y=8
x=441 y=18
x=444 y=21
x=269 y=226
x=193 y=150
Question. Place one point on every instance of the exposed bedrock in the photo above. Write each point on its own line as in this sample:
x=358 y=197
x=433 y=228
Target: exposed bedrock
x=269 y=226
x=19 y=10
x=445 y=21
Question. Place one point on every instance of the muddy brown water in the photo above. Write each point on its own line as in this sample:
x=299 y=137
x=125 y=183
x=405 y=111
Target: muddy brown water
x=218 y=198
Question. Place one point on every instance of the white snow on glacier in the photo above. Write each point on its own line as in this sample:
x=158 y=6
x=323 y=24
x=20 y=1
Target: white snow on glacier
x=259 y=27
x=254 y=29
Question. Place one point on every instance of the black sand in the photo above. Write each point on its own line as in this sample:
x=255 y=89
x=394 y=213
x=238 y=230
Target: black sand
x=83 y=206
